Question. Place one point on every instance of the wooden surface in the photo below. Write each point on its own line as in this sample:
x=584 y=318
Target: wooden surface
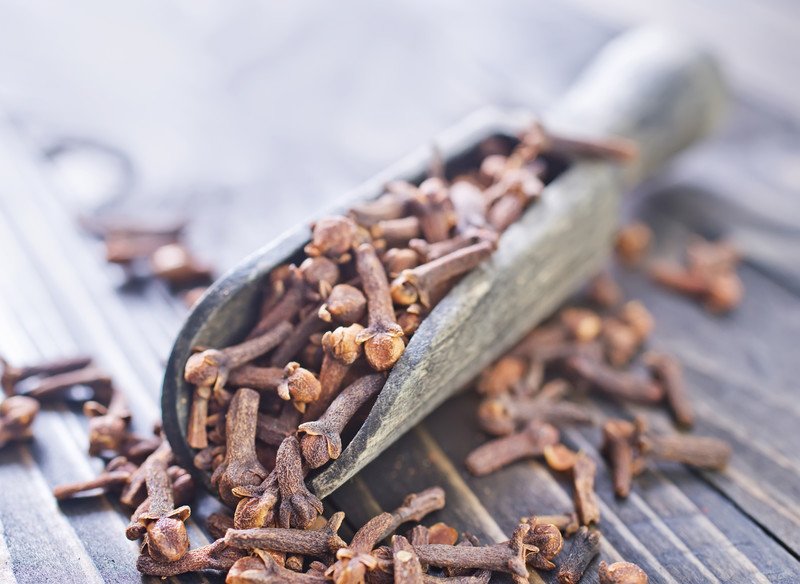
x=247 y=116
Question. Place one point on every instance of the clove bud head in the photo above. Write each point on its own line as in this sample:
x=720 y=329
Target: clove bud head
x=382 y=348
x=621 y=573
x=167 y=540
x=203 y=368
x=299 y=385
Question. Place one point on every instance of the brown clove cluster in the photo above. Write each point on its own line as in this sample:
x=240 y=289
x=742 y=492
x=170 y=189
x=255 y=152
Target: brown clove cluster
x=708 y=273
x=139 y=470
x=153 y=249
x=596 y=350
x=268 y=410
x=376 y=554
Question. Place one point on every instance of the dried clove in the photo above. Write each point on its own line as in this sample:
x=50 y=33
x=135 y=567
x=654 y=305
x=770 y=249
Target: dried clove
x=431 y=203
x=182 y=494
x=407 y=569
x=582 y=324
x=241 y=465
x=604 y=291
x=632 y=243
x=620 y=341
x=566 y=523
x=559 y=458
x=14 y=374
x=341 y=350
x=470 y=206
x=621 y=573
x=616 y=149
x=698 y=451
x=711 y=276
x=396 y=232
x=17 y=414
x=506 y=557
x=298 y=508
x=214 y=556
x=264 y=569
x=397 y=259
x=176 y=265
x=166 y=539
x=116 y=473
x=333 y=237
x=678 y=279
x=307 y=542
x=585 y=546
x=546 y=538
x=433 y=251
x=500 y=452
x=345 y=304
x=479 y=577
x=255 y=377
x=256 y=507
x=108 y=426
x=618 y=438
x=415 y=507
x=273 y=429
x=210 y=368
x=502 y=376
x=320 y=273
x=383 y=337
x=583 y=474
x=391 y=205
x=502 y=415
x=289 y=295
x=290 y=346
x=322 y=441
x=197 y=425
x=668 y=373
x=56 y=386
x=419 y=284
x=354 y=561
x=511 y=194
x=299 y=385
x=613 y=383
x=410 y=318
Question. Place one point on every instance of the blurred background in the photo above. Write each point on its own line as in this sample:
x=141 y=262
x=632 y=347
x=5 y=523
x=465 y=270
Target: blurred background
x=209 y=109
x=245 y=118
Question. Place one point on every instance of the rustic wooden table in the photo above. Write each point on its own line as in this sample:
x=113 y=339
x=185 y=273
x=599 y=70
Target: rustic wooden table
x=244 y=117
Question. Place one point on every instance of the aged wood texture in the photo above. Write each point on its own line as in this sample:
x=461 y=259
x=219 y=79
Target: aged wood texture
x=57 y=297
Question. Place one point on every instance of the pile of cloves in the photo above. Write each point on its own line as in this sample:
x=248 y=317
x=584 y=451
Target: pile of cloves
x=139 y=470
x=596 y=351
x=277 y=405
x=708 y=274
x=153 y=249
x=594 y=348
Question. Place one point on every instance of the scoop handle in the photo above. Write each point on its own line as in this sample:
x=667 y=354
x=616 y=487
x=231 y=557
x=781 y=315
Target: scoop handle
x=650 y=85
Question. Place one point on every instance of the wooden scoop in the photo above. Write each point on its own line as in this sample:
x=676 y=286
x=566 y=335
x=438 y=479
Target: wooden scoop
x=647 y=85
